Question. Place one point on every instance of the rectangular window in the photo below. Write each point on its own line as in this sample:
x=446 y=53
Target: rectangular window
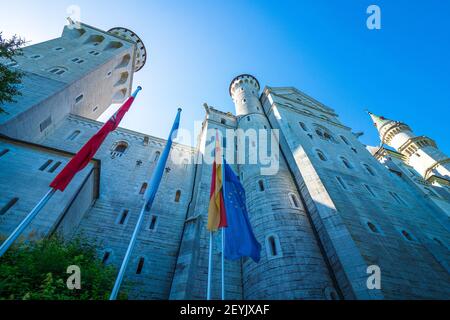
x=3 y=152
x=45 y=124
x=153 y=222
x=106 y=257
x=45 y=165
x=369 y=189
x=79 y=98
x=55 y=166
x=8 y=206
x=123 y=217
x=140 y=265
x=341 y=183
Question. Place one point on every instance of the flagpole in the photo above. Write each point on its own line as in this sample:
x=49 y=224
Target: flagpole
x=208 y=294
x=223 y=229
x=25 y=222
x=126 y=260
x=149 y=196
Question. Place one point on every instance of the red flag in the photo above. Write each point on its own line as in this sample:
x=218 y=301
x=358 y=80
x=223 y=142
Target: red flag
x=82 y=158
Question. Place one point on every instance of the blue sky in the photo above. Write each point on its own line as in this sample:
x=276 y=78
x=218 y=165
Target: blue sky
x=321 y=47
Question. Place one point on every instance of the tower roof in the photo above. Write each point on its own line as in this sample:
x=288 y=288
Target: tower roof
x=379 y=121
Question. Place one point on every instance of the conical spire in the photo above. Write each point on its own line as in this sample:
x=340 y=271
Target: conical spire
x=378 y=120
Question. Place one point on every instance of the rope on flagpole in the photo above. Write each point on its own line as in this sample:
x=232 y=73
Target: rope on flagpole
x=208 y=293
x=25 y=222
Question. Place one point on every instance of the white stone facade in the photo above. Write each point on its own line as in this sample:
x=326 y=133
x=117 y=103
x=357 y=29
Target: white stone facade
x=331 y=211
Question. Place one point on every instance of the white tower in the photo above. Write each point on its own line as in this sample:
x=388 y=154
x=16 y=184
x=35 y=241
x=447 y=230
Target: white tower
x=421 y=152
x=82 y=72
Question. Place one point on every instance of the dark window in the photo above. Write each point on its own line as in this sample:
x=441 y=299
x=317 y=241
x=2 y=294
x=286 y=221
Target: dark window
x=224 y=142
x=55 y=166
x=3 y=152
x=45 y=165
x=140 y=265
x=345 y=140
x=143 y=188
x=106 y=257
x=45 y=124
x=248 y=118
x=79 y=98
x=341 y=182
x=370 y=190
x=157 y=154
x=294 y=201
x=273 y=246
x=74 y=135
x=319 y=133
x=372 y=227
x=178 y=196
x=321 y=156
x=123 y=217
x=407 y=235
x=223 y=121
x=261 y=185
x=369 y=170
x=8 y=206
x=153 y=223
x=121 y=147
x=346 y=163
x=303 y=126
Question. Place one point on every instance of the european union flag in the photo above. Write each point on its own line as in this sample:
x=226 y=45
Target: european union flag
x=239 y=238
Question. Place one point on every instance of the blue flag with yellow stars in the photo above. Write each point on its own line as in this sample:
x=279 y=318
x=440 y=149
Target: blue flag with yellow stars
x=239 y=238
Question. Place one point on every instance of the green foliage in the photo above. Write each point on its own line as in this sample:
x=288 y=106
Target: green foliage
x=9 y=77
x=37 y=271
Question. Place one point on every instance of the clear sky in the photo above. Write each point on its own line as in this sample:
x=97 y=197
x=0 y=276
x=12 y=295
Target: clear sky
x=321 y=47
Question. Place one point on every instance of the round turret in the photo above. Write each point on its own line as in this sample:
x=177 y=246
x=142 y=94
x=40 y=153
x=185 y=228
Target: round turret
x=244 y=90
x=141 y=52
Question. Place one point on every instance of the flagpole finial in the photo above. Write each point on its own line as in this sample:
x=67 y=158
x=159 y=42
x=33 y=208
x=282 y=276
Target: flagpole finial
x=139 y=88
x=179 y=109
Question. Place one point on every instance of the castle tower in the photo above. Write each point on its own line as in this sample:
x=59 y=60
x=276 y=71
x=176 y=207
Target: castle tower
x=82 y=72
x=421 y=152
x=292 y=266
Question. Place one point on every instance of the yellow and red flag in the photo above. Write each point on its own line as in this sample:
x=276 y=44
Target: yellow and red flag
x=217 y=217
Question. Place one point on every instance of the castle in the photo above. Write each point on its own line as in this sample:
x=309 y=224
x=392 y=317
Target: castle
x=334 y=208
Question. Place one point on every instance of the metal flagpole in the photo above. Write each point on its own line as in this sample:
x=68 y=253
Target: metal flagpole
x=208 y=294
x=149 y=196
x=223 y=229
x=125 y=261
x=25 y=222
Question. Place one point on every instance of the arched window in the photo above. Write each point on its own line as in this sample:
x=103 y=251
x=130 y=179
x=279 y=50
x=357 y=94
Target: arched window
x=321 y=155
x=372 y=227
x=119 y=149
x=303 y=126
x=407 y=235
x=345 y=140
x=319 y=132
x=178 y=196
x=74 y=135
x=261 y=185
x=369 y=170
x=157 y=155
x=8 y=206
x=143 y=188
x=295 y=203
x=346 y=163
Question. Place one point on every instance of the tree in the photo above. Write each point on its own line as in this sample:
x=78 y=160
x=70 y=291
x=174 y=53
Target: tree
x=38 y=271
x=9 y=78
